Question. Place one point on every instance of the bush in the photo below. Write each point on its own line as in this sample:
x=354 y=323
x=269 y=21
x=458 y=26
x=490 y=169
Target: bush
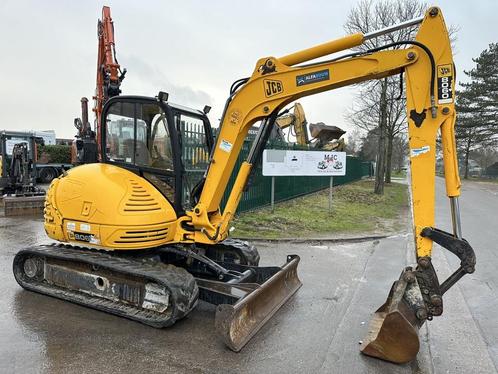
x=57 y=154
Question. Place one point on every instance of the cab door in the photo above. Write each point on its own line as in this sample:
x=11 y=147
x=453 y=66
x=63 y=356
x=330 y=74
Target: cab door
x=139 y=134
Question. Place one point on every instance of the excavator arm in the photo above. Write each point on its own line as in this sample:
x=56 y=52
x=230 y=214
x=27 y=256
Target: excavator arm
x=428 y=67
x=297 y=122
x=276 y=82
x=325 y=137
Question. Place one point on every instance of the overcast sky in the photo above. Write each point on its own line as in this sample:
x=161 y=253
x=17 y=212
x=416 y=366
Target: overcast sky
x=192 y=49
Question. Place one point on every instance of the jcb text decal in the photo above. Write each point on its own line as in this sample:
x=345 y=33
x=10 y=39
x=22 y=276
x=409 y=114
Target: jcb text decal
x=272 y=87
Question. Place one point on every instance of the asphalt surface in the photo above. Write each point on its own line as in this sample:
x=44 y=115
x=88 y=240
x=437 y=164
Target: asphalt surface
x=317 y=331
x=479 y=208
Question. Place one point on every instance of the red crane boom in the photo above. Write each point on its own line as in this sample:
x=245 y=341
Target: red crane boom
x=86 y=146
x=109 y=74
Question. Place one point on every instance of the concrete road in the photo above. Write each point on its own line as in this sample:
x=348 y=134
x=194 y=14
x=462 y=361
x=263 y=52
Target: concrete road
x=317 y=331
x=479 y=214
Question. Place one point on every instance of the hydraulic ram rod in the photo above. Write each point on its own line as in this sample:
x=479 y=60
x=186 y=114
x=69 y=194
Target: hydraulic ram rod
x=388 y=29
x=341 y=44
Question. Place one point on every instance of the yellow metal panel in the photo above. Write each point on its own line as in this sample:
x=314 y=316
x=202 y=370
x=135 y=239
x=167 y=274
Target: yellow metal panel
x=108 y=202
x=252 y=103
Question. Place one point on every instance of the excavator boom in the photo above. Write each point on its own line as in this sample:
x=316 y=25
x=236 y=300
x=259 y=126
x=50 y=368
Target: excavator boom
x=87 y=145
x=297 y=124
x=109 y=74
x=427 y=63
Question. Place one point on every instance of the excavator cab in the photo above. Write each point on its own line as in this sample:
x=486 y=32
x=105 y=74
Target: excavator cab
x=166 y=143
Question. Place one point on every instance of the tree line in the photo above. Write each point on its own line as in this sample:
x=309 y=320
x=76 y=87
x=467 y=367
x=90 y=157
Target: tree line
x=477 y=112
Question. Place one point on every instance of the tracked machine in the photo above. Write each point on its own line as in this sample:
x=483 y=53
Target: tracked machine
x=19 y=193
x=131 y=246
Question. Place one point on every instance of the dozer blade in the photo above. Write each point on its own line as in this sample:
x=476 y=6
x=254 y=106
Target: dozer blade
x=236 y=324
x=393 y=330
x=23 y=205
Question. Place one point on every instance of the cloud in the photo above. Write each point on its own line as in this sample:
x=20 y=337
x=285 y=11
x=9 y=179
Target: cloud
x=146 y=76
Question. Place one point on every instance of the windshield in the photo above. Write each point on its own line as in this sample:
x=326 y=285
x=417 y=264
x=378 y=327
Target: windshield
x=138 y=134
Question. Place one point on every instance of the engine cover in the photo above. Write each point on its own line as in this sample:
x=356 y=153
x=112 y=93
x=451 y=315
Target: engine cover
x=107 y=207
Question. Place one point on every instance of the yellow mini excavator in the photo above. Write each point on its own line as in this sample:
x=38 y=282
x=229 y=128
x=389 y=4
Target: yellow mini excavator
x=327 y=138
x=130 y=247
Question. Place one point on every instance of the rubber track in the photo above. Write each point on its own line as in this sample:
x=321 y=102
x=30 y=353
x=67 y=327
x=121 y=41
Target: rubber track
x=181 y=284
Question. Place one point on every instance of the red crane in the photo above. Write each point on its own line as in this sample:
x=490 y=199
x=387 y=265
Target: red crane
x=109 y=74
x=86 y=147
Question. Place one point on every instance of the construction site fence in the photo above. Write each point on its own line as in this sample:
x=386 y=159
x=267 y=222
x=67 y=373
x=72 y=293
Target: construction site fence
x=258 y=191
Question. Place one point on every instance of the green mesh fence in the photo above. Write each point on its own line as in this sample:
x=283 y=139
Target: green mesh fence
x=258 y=191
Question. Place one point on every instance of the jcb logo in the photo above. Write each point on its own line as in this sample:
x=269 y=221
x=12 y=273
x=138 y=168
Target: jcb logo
x=272 y=87
x=444 y=70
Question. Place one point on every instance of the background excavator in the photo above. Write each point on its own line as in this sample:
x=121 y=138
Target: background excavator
x=131 y=247
x=323 y=137
x=19 y=193
x=86 y=146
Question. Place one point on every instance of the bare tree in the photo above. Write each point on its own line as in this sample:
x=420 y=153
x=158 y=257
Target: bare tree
x=400 y=151
x=353 y=142
x=366 y=114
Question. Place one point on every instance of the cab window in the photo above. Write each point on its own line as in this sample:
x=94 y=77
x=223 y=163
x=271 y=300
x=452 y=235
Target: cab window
x=138 y=134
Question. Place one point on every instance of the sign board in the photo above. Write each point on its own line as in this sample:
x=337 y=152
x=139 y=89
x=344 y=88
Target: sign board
x=9 y=144
x=278 y=162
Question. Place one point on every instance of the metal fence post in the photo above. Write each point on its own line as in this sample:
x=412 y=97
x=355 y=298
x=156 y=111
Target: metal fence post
x=330 y=194
x=272 y=194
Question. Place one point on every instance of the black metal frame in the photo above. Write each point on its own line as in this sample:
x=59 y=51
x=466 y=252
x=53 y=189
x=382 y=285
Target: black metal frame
x=218 y=282
x=432 y=290
x=6 y=181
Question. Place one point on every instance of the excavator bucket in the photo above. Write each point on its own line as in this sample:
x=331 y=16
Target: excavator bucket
x=237 y=323
x=325 y=133
x=393 y=330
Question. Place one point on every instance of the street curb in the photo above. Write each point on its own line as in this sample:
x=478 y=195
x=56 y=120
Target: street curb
x=326 y=240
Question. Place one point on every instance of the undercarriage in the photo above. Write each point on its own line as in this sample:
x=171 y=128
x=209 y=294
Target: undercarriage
x=160 y=286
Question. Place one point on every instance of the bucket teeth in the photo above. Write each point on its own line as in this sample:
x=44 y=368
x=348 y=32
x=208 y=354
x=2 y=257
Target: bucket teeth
x=393 y=329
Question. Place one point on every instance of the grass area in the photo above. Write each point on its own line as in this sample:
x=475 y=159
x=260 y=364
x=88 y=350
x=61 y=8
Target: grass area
x=356 y=209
